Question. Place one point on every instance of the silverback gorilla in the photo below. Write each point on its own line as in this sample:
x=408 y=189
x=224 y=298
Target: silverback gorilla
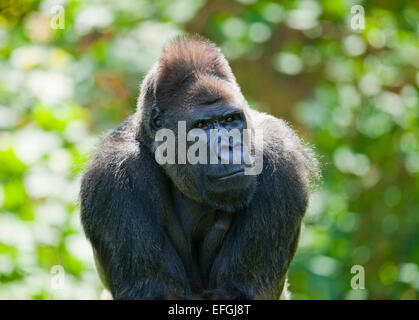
x=194 y=231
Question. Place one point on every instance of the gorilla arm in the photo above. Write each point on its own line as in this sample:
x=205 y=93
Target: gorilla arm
x=122 y=214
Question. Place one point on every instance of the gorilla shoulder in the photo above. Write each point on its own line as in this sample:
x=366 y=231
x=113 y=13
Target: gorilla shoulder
x=283 y=149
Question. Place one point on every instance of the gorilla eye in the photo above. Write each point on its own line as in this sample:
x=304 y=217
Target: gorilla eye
x=229 y=119
x=200 y=125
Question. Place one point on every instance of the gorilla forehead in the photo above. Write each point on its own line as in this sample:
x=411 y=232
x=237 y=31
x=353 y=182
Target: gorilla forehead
x=204 y=93
x=190 y=71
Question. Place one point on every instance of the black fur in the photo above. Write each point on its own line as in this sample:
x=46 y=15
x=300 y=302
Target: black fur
x=154 y=235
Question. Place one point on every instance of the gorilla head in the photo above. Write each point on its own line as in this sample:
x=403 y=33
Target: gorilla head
x=202 y=91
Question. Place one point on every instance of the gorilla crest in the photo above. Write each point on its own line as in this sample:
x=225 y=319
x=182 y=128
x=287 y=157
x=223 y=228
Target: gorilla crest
x=195 y=231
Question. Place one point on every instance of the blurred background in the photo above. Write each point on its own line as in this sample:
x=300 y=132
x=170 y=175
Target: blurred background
x=347 y=82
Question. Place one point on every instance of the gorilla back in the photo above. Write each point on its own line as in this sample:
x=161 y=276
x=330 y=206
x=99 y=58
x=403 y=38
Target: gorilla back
x=188 y=231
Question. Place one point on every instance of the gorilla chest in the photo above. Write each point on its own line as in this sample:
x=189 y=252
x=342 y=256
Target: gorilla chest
x=203 y=230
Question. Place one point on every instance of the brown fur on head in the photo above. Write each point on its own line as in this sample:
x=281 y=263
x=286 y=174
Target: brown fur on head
x=184 y=60
x=189 y=70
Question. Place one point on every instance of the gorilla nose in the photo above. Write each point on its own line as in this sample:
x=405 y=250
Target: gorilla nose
x=224 y=152
x=227 y=151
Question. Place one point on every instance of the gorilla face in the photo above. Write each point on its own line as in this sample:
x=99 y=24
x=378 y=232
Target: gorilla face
x=219 y=181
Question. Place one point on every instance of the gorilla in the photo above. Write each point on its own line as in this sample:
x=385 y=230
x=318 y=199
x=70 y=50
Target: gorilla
x=195 y=231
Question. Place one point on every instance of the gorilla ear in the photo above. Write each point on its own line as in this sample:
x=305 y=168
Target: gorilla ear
x=155 y=119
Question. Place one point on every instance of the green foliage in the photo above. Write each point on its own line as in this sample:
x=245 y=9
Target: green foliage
x=353 y=94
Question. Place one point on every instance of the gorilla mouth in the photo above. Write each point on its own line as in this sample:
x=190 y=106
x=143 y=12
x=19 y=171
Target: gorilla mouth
x=230 y=174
